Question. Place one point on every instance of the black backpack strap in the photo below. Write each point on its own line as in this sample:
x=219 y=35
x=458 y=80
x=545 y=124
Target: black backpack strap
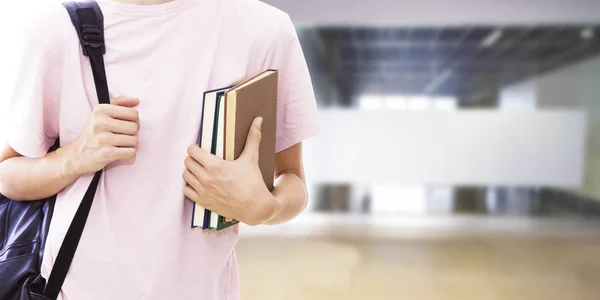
x=88 y=21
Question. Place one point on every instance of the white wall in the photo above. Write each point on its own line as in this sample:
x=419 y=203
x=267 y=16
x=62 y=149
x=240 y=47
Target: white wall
x=522 y=95
x=440 y=12
x=578 y=86
x=487 y=147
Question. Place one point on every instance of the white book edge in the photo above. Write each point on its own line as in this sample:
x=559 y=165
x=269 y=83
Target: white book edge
x=209 y=106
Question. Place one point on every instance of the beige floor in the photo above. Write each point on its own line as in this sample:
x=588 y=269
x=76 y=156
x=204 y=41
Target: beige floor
x=525 y=266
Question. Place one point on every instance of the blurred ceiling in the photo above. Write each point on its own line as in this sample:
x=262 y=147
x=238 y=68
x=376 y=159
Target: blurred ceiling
x=460 y=61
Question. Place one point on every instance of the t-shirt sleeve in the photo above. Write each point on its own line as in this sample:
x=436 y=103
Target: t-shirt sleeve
x=32 y=108
x=297 y=116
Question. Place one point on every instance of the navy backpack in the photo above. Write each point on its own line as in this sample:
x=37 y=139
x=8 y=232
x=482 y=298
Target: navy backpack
x=24 y=224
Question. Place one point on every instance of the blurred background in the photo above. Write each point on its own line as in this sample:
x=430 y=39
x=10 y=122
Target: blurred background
x=459 y=158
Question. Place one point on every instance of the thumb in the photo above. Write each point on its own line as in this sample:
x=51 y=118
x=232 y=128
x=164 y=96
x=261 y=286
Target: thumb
x=253 y=140
x=125 y=101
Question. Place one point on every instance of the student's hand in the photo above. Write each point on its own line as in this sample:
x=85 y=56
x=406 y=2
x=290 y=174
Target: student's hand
x=109 y=136
x=233 y=189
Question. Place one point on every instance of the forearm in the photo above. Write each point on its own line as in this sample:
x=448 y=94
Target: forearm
x=23 y=178
x=291 y=195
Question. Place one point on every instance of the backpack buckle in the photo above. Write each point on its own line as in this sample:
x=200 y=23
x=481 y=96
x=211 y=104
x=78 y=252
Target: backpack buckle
x=91 y=29
x=92 y=36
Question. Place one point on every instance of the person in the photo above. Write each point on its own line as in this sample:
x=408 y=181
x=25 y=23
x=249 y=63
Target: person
x=161 y=56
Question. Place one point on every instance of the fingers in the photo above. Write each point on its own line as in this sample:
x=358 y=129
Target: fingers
x=121 y=119
x=119 y=140
x=123 y=153
x=122 y=127
x=125 y=101
x=202 y=156
x=251 y=148
x=122 y=108
x=190 y=193
x=192 y=180
x=121 y=113
x=195 y=168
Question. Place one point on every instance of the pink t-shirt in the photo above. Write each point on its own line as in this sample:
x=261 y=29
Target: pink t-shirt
x=138 y=243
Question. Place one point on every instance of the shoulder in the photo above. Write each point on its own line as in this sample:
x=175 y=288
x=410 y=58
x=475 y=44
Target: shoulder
x=46 y=23
x=265 y=20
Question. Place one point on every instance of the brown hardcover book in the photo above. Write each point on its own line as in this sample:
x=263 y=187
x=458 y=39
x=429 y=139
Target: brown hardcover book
x=255 y=97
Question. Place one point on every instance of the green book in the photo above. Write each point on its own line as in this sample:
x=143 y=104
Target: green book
x=217 y=221
x=200 y=215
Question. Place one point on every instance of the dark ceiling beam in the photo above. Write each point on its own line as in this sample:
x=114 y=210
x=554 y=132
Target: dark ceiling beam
x=461 y=40
x=450 y=45
x=430 y=75
x=496 y=78
x=433 y=66
x=537 y=44
x=447 y=72
x=314 y=40
x=575 y=53
x=346 y=87
x=383 y=77
x=408 y=76
x=423 y=58
x=408 y=37
x=423 y=64
x=502 y=48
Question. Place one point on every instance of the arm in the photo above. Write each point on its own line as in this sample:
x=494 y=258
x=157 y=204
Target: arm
x=24 y=178
x=108 y=136
x=290 y=186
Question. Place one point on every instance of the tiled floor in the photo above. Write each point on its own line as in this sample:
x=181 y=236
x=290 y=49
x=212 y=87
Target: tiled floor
x=531 y=264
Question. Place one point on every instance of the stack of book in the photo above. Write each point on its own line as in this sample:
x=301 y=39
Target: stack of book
x=227 y=116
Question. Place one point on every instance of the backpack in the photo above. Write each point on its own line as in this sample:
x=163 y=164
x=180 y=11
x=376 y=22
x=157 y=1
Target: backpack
x=24 y=224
